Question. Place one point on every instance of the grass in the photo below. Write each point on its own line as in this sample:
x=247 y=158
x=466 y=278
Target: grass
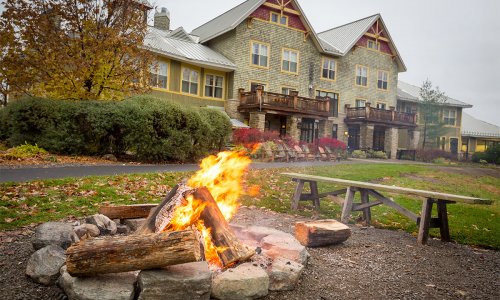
x=40 y=201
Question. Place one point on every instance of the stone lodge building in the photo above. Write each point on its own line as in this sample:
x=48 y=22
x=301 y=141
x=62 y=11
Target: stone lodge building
x=264 y=63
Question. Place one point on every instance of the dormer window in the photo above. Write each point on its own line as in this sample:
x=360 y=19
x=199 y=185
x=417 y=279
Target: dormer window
x=279 y=19
x=371 y=44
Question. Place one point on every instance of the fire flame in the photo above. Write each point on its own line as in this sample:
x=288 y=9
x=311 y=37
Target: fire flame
x=222 y=175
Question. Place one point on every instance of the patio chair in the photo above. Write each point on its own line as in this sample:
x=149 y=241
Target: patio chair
x=300 y=154
x=281 y=152
x=322 y=154
x=309 y=155
x=292 y=155
x=332 y=154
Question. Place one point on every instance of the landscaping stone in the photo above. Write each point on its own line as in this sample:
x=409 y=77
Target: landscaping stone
x=43 y=265
x=109 y=157
x=117 y=286
x=87 y=229
x=284 y=274
x=54 y=233
x=256 y=233
x=106 y=225
x=186 y=281
x=246 y=281
x=133 y=224
x=284 y=245
x=122 y=229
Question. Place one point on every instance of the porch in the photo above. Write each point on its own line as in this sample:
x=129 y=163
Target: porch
x=374 y=115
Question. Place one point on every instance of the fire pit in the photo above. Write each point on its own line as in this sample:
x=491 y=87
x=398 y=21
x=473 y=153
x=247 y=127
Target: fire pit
x=185 y=248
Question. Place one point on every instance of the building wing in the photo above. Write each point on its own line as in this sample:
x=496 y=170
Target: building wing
x=411 y=93
x=476 y=128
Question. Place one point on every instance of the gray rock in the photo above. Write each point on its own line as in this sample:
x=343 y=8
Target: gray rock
x=284 y=274
x=109 y=157
x=286 y=246
x=185 y=281
x=256 y=233
x=43 y=266
x=87 y=229
x=117 y=286
x=122 y=229
x=133 y=224
x=244 y=282
x=106 y=225
x=54 y=233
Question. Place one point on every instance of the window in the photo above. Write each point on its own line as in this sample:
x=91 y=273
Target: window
x=328 y=69
x=361 y=75
x=287 y=90
x=190 y=81
x=334 y=101
x=449 y=116
x=260 y=54
x=360 y=103
x=289 y=61
x=381 y=105
x=373 y=45
x=382 y=80
x=214 y=86
x=441 y=143
x=335 y=131
x=158 y=75
x=254 y=85
x=279 y=19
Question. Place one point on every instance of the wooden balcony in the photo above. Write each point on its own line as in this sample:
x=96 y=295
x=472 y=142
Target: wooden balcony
x=381 y=116
x=261 y=100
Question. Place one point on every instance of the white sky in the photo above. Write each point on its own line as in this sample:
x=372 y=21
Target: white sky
x=454 y=43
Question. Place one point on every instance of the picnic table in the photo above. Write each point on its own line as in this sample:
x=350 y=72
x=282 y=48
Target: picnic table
x=366 y=189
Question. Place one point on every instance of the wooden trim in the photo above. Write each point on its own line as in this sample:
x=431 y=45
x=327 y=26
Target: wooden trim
x=272 y=23
x=268 y=54
x=288 y=10
x=375 y=37
x=271 y=13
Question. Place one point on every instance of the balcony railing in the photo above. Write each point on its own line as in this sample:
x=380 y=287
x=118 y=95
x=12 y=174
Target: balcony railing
x=377 y=115
x=262 y=100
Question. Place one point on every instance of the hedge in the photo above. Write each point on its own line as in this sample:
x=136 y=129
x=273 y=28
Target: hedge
x=153 y=128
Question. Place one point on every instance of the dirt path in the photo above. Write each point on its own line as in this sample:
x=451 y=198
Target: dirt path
x=372 y=264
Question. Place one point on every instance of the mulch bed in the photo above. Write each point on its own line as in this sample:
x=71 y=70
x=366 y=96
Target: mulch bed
x=372 y=264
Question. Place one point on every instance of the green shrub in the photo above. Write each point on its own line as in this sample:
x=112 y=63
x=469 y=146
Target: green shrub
x=358 y=154
x=153 y=128
x=439 y=160
x=376 y=154
x=4 y=128
x=491 y=155
x=24 y=151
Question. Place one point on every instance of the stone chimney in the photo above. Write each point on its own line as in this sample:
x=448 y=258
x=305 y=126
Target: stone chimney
x=162 y=19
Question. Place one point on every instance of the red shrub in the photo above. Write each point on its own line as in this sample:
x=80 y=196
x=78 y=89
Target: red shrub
x=247 y=136
x=331 y=143
x=270 y=136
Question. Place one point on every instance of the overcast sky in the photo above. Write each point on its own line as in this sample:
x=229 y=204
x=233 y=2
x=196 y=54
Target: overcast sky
x=454 y=43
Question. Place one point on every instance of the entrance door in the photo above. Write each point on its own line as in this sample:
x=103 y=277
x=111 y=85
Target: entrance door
x=378 y=139
x=308 y=130
x=353 y=140
x=454 y=145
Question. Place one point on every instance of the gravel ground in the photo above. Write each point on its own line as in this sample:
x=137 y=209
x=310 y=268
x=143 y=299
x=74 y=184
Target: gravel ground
x=372 y=264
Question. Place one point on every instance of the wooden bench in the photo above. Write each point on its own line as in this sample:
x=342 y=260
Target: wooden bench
x=366 y=189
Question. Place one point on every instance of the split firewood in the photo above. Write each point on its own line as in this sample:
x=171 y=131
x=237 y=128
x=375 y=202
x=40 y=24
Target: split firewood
x=135 y=211
x=129 y=253
x=321 y=233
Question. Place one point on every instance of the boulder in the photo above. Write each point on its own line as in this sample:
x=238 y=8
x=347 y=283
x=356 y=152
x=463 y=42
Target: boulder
x=246 y=281
x=179 y=282
x=286 y=246
x=87 y=229
x=122 y=229
x=106 y=225
x=109 y=157
x=117 y=286
x=133 y=224
x=284 y=274
x=43 y=266
x=54 y=233
x=321 y=233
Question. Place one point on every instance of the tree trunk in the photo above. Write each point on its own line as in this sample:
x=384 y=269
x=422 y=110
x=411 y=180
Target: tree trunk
x=130 y=253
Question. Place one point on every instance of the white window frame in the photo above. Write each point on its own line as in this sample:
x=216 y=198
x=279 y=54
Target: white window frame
x=286 y=90
x=330 y=66
x=156 y=70
x=287 y=61
x=362 y=74
x=383 y=77
x=258 y=51
x=447 y=116
x=359 y=101
x=190 y=81
x=213 y=88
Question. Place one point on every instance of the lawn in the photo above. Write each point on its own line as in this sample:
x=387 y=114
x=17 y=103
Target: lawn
x=40 y=201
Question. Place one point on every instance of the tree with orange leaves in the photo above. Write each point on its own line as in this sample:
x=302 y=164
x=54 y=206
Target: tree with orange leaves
x=74 y=49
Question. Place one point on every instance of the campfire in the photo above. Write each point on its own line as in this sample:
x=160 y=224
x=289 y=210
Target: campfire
x=190 y=224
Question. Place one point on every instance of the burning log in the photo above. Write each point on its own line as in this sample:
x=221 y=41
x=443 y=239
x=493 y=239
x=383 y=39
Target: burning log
x=134 y=211
x=229 y=249
x=130 y=253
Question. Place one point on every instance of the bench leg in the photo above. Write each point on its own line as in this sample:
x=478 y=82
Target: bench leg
x=443 y=218
x=314 y=193
x=296 y=195
x=365 y=198
x=347 y=208
x=425 y=221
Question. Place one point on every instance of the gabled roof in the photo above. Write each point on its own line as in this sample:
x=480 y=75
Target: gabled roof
x=182 y=47
x=345 y=37
x=476 y=128
x=233 y=17
x=411 y=93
